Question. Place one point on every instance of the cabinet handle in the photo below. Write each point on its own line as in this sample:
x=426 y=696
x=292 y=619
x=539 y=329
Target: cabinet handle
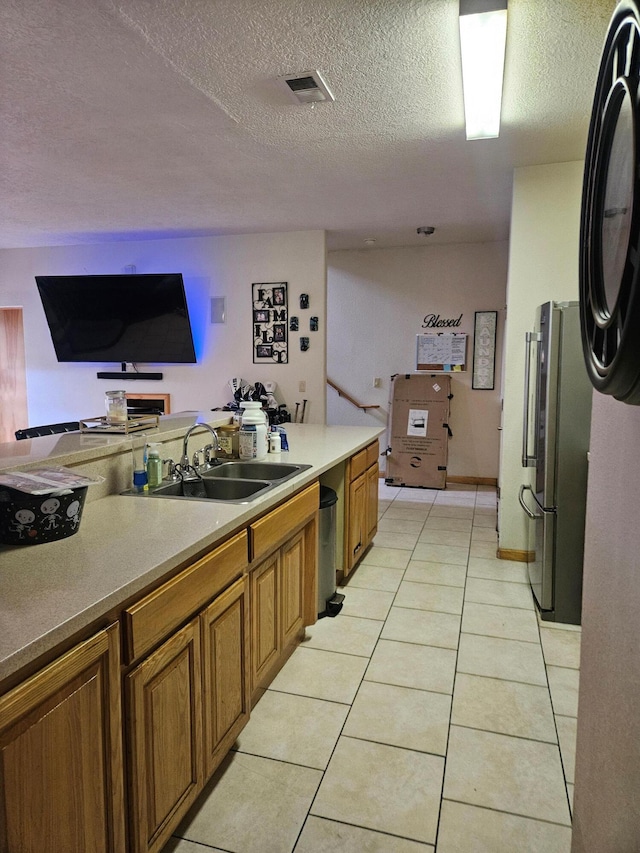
x=357 y=548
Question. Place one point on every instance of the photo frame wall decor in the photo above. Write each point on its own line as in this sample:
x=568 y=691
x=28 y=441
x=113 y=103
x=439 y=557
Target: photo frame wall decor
x=270 y=322
x=484 y=350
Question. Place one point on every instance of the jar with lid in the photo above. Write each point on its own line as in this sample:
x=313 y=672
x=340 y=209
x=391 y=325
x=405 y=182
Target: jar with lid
x=116 y=406
x=253 y=437
x=228 y=440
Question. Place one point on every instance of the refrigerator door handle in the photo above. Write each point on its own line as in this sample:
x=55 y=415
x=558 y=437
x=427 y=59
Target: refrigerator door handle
x=529 y=512
x=528 y=460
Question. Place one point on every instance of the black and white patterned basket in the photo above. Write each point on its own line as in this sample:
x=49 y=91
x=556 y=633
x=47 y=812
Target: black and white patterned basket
x=31 y=519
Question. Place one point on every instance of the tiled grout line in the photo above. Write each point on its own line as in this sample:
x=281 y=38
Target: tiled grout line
x=502 y=811
x=517 y=737
x=453 y=689
x=555 y=725
x=554 y=715
x=360 y=684
x=457 y=651
x=492 y=637
x=345 y=722
x=509 y=605
x=340 y=734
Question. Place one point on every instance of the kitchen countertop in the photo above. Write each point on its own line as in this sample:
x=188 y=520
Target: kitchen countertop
x=52 y=591
x=72 y=448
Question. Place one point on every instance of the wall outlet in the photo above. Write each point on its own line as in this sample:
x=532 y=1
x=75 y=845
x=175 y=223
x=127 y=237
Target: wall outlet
x=302 y=386
x=377 y=382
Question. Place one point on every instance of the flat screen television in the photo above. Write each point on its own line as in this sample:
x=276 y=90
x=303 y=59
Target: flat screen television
x=118 y=318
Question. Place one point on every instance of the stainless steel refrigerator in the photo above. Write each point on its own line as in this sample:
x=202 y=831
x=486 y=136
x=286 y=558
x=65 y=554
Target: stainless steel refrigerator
x=557 y=422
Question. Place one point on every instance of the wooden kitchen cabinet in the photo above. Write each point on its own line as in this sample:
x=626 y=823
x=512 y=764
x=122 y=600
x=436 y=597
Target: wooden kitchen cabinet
x=361 y=510
x=188 y=699
x=277 y=607
x=373 y=479
x=61 y=773
x=283 y=583
x=164 y=696
x=225 y=663
x=292 y=560
x=265 y=619
x=357 y=523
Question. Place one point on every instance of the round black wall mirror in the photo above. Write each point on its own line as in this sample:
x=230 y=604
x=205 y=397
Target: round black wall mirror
x=610 y=217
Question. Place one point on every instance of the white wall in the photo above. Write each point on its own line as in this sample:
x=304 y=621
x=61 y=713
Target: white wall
x=377 y=300
x=211 y=266
x=607 y=793
x=543 y=266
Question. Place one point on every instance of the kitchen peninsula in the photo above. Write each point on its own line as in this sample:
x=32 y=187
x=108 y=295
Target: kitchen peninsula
x=155 y=607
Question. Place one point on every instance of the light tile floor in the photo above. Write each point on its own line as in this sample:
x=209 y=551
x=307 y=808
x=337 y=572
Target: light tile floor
x=435 y=713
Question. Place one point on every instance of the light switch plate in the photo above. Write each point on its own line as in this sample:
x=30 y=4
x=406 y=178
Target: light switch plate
x=218 y=309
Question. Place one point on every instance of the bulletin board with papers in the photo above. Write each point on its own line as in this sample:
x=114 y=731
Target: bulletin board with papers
x=441 y=353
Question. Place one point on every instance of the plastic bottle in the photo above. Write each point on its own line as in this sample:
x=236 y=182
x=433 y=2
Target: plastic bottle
x=140 y=480
x=138 y=453
x=154 y=465
x=275 y=445
x=284 y=443
x=254 y=437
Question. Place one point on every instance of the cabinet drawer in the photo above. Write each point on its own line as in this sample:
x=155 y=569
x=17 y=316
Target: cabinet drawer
x=271 y=530
x=157 y=614
x=372 y=454
x=358 y=464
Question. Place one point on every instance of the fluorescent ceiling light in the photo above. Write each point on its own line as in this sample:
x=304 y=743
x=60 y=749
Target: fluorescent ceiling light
x=483 y=38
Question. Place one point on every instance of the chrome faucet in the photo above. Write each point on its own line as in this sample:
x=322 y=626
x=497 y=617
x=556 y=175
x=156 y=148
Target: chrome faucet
x=184 y=462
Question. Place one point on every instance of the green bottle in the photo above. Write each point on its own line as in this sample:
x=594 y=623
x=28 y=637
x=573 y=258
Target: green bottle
x=154 y=465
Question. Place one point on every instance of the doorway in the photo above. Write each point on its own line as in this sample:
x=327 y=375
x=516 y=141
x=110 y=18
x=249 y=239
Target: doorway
x=13 y=376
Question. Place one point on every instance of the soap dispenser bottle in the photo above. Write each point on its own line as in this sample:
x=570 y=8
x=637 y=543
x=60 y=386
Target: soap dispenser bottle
x=154 y=465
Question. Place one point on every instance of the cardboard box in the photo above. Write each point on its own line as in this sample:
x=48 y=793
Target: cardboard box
x=419 y=431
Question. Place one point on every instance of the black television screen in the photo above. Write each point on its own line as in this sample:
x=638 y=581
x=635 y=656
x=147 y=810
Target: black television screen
x=118 y=318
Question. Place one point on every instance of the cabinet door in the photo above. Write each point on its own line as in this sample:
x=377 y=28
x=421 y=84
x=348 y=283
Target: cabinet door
x=61 y=775
x=372 y=501
x=291 y=588
x=225 y=657
x=165 y=730
x=265 y=619
x=356 y=531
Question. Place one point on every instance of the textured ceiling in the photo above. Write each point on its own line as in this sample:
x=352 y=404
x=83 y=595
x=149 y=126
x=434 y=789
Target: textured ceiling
x=153 y=118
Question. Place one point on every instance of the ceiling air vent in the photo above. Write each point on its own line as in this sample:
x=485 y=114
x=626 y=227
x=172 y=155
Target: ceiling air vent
x=306 y=88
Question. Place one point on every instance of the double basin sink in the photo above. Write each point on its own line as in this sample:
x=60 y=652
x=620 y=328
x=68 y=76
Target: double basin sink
x=229 y=482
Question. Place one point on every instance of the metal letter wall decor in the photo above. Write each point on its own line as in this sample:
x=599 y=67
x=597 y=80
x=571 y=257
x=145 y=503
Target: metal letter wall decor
x=270 y=323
